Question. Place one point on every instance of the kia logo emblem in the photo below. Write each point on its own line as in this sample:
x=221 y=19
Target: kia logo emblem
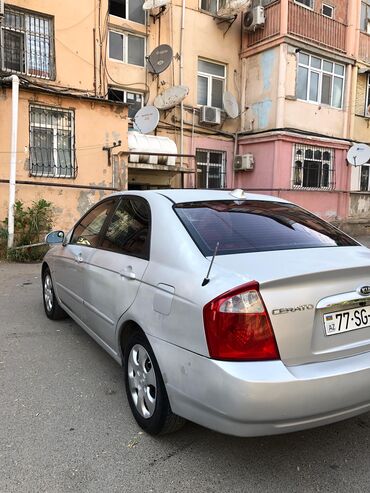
x=364 y=290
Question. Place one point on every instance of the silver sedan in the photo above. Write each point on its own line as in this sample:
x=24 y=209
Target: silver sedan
x=243 y=313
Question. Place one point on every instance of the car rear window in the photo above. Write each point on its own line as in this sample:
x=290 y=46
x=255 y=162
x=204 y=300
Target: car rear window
x=256 y=226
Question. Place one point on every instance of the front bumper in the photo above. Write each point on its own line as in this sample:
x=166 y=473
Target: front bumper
x=262 y=398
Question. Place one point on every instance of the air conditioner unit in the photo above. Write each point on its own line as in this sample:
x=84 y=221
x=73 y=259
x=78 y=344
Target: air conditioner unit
x=210 y=115
x=244 y=162
x=254 y=18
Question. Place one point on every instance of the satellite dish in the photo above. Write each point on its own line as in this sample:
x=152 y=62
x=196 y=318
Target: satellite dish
x=146 y=119
x=358 y=154
x=233 y=7
x=171 y=97
x=153 y=4
x=230 y=104
x=160 y=59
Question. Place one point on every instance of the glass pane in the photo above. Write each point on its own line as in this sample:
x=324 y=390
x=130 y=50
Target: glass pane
x=275 y=226
x=116 y=46
x=302 y=82
x=136 y=11
x=303 y=58
x=326 y=89
x=339 y=69
x=217 y=92
x=64 y=152
x=116 y=95
x=315 y=62
x=87 y=231
x=38 y=46
x=363 y=17
x=135 y=103
x=314 y=86
x=128 y=231
x=211 y=68
x=118 y=8
x=13 y=51
x=136 y=47
x=202 y=90
x=297 y=179
x=337 y=92
x=327 y=66
x=325 y=176
x=41 y=151
x=308 y=3
x=364 y=183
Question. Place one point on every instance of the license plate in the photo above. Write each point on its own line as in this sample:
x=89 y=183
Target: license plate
x=345 y=321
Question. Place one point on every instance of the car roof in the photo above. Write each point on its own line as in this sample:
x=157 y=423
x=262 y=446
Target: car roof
x=197 y=195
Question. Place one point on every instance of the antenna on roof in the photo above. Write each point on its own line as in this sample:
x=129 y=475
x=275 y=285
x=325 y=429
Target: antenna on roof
x=206 y=279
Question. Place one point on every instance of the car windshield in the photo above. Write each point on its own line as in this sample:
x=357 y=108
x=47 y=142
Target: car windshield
x=256 y=226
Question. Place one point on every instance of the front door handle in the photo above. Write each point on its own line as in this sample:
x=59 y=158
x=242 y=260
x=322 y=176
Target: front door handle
x=128 y=273
x=78 y=258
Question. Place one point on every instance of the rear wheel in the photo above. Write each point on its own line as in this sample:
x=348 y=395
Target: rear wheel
x=145 y=389
x=52 y=308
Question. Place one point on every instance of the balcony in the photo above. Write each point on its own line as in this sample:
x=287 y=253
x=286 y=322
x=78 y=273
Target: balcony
x=302 y=23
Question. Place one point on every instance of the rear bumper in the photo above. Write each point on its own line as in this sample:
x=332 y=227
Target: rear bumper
x=262 y=398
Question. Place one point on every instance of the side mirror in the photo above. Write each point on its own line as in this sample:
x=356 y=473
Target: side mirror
x=54 y=237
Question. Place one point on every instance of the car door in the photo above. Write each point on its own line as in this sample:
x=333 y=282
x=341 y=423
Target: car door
x=116 y=268
x=70 y=267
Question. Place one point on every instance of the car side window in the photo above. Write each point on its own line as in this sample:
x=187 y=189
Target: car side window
x=129 y=229
x=88 y=229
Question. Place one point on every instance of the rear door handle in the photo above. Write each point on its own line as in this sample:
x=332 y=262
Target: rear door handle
x=128 y=273
x=78 y=258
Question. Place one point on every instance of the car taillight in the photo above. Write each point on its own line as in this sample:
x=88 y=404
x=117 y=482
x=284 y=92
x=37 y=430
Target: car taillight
x=238 y=327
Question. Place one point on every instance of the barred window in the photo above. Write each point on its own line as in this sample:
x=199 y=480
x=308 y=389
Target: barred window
x=211 y=169
x=313 y=167
x=27 y=44
x=52 y=151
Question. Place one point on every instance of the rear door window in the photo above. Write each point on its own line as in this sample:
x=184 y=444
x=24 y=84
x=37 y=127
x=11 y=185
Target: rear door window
x=256 y=226
x=129 y=229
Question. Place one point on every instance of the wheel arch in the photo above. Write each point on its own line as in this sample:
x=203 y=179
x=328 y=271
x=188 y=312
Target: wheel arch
x=127 y=328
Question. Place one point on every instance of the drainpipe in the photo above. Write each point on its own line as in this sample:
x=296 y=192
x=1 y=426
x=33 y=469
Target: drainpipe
x=182 y=29
x=13 y=156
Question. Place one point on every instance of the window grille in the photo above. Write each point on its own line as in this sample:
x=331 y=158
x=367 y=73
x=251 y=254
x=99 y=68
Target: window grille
x=27 y=44
x=52 y=147
x=211 y=169
x=313 y=167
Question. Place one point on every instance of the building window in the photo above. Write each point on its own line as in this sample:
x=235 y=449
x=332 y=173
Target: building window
x=211 y=83
x=313 y=167
x=133 y=99
x=365 y=179
x=211 y=169
x=320 y=81
x=306 y=3
x=327 y=10
x=27 y=44
x=211 y=6
x=128 y=9
x=127 y=48
x=365 y=16
x=52 y=150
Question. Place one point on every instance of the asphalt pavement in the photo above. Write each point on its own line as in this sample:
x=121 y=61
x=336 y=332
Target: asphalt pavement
x=65 y=424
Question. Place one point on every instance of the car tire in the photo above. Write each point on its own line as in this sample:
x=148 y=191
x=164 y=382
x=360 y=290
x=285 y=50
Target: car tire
x=145 y=389
x=51 y=306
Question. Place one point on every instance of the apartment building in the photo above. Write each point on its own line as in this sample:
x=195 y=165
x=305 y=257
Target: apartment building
x=300 y=80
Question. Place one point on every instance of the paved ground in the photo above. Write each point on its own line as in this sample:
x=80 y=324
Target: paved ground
x=65 y=424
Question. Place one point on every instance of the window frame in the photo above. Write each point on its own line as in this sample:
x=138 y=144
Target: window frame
x=125 y=92
x=296 y=157
x=311 y=7
x=127 y=18
x=362 y=170
x=25 y=53
x=366 y=5
x=56 y=173
x=210 y=78
x=207 y=165
x=321 y=72
x=126 y=35
x=330 y=7
x=218 y=3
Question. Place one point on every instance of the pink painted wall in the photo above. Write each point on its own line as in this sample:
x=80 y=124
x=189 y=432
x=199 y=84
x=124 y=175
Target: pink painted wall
x=273 y=174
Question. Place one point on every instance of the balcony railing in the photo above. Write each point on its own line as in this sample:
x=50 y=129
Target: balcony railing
x=271 y=28
x=364 y=47
x=314 y=27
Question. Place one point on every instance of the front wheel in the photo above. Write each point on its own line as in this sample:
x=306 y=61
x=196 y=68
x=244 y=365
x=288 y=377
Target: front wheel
x=52 y=308
x=145 y=389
